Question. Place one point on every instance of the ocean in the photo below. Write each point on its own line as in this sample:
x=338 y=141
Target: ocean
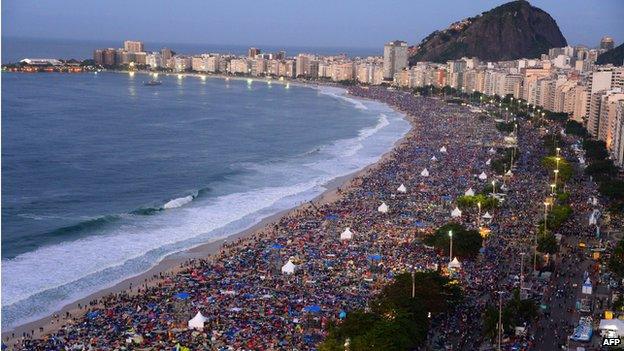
x=102 y=176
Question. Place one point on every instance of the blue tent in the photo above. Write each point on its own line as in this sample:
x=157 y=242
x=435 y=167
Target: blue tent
x=419 y=224
x=332 y=217
x=312 y=308
x=342 y=315
x=93 y=314
x=277 y=246
x=375 y=257
x=182 y=295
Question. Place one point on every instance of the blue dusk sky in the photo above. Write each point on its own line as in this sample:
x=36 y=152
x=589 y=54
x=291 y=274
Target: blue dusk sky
x=318 y=23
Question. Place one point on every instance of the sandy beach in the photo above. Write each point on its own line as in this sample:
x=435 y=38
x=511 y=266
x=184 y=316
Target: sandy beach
x=176 y=262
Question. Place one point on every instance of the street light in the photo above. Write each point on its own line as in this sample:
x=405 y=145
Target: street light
x=451 y=246
x=558 y=150
x=556 y=174
x=493 y=187
x=521 y=271
x=500 y=319
x=552 y=189
x=546 y=215
x=479 y=217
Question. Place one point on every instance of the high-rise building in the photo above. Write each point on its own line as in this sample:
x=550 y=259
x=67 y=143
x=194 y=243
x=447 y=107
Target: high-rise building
x=166 y=54
x=395 y=58
x=110 y=57
x=253 y=52
x=133 y=46
x=618 y=136
x=98 y=56
x=607 y=43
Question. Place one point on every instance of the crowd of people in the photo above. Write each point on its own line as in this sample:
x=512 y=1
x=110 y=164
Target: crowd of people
x=248 y=301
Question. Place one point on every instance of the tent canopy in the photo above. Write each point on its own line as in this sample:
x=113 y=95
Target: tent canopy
x=182 y=295
x=346 y=234
x=402 y=188
x=197 y=322
x=488 y=162
x=456 y=212
x=443 y=149
x=469 y=192
x=289 y=268
x=424 y=173
x=433 y=158
x=483 y=176
x=487 y=215
x=383 y=208
x=455 y=264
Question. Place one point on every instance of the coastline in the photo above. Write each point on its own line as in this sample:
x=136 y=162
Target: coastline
x=173 y=263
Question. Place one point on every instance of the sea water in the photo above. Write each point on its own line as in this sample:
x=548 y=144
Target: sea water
x=103 y=176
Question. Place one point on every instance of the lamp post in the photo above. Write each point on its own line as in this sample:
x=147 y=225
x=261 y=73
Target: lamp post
x=556 y=174
x=479 y=217
x=500 y=319
x=558 y=150
x=493 y=187
x=552 y=189
x=521 y=271
x=545 y=216
x=451 y=246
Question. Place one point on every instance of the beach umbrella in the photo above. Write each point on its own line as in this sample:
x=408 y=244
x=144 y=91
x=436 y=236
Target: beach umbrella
x=456 y=212
x=483 y=176
x=443 y=149
x=402 y=189
x=289 y=268
x=488 y=162
x=434 y=158
x=469 y=192
x=346 y=234
x=182 y=295
x=424 y=173
x=383 y=208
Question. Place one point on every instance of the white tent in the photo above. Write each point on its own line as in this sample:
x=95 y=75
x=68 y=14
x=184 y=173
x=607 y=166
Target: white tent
x=613 y=326
x=424 y=173
x=592 y=219
x=434 y=158
x=456 y=212
x=594 y=201
x=289 y=268
x=483 y=176
x=443 y=149
x=469 y=192
x=455 y=264
x=402 y=189
x=587 y=287
x=346 y=235
x=488 y=162
x=492 y=151
x=197 y=322
x=383 y=208
x=487 y=215
x=509 y=173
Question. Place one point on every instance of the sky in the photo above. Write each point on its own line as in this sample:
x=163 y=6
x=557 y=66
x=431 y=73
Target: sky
x=316 y=23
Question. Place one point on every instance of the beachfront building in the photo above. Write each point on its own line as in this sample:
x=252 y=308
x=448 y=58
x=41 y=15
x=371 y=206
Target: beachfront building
x=395 y=58
x=133 y=46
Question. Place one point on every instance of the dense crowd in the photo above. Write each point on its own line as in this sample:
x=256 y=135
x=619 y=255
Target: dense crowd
x=249 y=303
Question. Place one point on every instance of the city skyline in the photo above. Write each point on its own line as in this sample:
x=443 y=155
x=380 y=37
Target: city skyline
x=347 y=24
